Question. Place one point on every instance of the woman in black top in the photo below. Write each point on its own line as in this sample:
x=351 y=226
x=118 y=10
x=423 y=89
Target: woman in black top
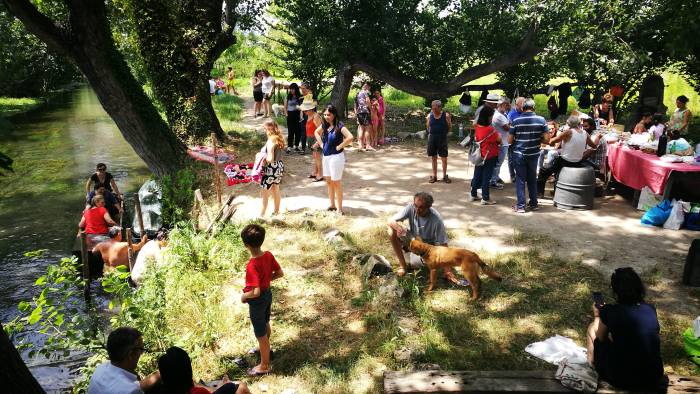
x=623 y=340
x=102 y=178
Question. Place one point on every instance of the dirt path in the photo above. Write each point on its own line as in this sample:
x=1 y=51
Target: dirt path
x=378 y=184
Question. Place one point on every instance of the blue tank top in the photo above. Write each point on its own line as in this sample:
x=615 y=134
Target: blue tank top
x=331 y=139
x=438 y=127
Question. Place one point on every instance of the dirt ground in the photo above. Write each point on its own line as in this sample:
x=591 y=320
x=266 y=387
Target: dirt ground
x=378 y=184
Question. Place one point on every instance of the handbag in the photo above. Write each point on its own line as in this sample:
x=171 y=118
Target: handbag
x=475 y=156
x=579 y=377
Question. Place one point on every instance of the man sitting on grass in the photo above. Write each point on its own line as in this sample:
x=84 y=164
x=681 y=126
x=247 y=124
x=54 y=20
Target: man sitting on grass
x=118 y=375
x=423 y=221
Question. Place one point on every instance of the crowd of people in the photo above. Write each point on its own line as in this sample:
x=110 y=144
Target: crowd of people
x=623 y=338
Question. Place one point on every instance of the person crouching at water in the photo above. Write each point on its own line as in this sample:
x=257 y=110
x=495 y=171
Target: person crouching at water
x=273 y=167
x=333 y=136
x=114 y=252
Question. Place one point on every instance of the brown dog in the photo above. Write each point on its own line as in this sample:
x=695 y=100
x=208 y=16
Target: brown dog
x=445 y=257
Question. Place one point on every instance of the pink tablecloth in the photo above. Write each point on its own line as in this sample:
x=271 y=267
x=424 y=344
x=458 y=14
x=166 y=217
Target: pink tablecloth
x=637 y=169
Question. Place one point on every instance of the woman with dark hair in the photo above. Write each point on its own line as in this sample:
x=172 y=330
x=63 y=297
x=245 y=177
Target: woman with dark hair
x=333 y=137
x=490 y=140
x=623 y=340
x=291 y=109
x=680 y=118
x=256 y=83
x=603 y=112
x=175 y=369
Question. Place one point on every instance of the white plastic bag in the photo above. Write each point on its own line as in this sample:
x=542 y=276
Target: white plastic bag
x=675 y=220
x=647 y=199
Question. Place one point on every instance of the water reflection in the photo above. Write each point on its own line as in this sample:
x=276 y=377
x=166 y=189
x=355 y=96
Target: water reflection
x=54 y=150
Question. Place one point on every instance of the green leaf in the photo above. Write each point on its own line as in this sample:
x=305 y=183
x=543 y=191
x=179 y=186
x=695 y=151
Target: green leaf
x=40 y=281
x=36 y=315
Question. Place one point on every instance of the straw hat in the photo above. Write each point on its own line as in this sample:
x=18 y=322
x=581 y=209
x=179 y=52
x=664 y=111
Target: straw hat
x=308 y=105
x=493 y=98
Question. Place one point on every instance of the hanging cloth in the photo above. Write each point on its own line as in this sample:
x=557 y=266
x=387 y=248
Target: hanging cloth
x=564 y=93
x=482 y=98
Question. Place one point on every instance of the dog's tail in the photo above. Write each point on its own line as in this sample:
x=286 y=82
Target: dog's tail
x=489 y=271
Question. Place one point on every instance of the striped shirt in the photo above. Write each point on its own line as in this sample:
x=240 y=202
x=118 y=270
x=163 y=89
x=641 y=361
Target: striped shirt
x=527 y=132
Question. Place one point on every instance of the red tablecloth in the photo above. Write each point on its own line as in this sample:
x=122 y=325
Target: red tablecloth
x=637 y=169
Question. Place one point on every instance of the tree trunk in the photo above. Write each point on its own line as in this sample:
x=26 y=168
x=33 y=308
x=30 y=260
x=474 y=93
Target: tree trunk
x=15 y=377
x=341 y=87
x=90 y=45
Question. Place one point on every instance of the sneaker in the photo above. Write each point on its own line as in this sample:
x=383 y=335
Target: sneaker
x=487 y=202
x=518 y=210
x=474 y=198
x=302 y=152
x=534 y=208
x=498 y=186
x=288 y=150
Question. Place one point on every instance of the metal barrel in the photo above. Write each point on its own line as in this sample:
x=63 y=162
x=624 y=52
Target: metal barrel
x=575 y=188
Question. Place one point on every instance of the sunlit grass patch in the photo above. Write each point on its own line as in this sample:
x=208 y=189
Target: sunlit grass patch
x=14 y=105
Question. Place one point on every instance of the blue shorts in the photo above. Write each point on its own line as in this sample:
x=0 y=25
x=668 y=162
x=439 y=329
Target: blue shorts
x=259 y=311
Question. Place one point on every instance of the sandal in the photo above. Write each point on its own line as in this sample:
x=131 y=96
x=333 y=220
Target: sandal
x=319 y=179
x=254 y=372
x=447 y=179
x=332 y=209
x=312 y=176
x=432 y=179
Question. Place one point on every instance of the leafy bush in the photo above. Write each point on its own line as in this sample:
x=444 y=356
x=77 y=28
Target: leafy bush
x=177 y=196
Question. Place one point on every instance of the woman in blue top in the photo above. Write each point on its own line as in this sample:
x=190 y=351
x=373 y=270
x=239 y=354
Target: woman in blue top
x=333 y=136
x=623 y=340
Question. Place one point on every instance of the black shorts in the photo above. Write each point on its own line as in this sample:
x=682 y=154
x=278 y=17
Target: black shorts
x=257 y=95
x=437 y=145
x=363 y=118
x=259 y=311
x=267 y=96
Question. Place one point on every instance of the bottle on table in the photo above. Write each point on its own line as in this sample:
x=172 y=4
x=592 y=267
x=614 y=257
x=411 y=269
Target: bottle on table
x=663 y=141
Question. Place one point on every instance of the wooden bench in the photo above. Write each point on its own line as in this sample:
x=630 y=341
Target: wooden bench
x=501 y=381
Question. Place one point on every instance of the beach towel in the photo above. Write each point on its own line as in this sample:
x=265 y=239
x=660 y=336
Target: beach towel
x=240 y=173
x=557 y=348
x=206 y=153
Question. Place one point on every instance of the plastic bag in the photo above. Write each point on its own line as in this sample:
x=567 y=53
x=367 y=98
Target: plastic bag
x=680 y=147
x=692 y=345
x=676 y=217
x=647 y=199
x=658 y=215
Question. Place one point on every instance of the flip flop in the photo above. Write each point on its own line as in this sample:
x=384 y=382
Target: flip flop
x=253 y=372
x=312 y=176
x=317 y=180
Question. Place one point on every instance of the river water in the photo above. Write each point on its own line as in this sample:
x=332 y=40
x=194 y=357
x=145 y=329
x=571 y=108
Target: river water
x=55 y=149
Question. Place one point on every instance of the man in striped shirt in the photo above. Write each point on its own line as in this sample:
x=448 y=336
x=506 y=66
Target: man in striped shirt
x=526 y=134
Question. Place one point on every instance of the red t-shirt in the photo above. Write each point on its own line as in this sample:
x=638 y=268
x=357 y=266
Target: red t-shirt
x=489 y=144
x=258 y=272
x=199 y=390
x=95 y=222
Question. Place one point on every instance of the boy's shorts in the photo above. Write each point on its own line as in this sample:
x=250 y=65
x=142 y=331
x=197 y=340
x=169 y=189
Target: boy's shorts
x=259 y=310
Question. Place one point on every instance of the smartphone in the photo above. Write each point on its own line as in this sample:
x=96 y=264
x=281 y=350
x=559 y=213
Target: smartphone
x=598 y=299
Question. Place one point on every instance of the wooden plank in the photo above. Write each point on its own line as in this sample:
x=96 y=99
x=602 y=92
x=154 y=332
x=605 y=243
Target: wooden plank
x=472 y=382
x=217 y=177
x=130 y=249
x=221 y=213
x=137 y=205
x=85 y=257
x=502 y=381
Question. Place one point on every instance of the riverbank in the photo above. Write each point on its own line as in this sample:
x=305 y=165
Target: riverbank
x=10 y=106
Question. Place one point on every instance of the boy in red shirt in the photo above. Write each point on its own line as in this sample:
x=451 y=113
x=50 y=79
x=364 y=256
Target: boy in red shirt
x=262 y=268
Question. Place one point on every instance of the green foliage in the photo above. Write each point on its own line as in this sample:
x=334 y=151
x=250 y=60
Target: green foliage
x=177 y=195
x=58 y=313
x=27 y=67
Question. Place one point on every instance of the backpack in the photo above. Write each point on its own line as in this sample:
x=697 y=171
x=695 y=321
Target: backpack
x=475 y=156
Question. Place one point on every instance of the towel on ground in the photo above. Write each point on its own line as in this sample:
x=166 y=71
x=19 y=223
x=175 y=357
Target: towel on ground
x=557 y=348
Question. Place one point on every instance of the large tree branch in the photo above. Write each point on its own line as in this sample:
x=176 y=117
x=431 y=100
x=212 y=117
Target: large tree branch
x=40 y=25
x=394 y=77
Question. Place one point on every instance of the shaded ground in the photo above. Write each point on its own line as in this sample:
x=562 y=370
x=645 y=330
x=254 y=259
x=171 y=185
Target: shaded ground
x=335 y=338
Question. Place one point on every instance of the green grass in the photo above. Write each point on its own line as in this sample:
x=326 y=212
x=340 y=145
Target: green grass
x=229 y=109
x=14 y=105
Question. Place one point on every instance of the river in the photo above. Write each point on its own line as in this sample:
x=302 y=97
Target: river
x=55 y=149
